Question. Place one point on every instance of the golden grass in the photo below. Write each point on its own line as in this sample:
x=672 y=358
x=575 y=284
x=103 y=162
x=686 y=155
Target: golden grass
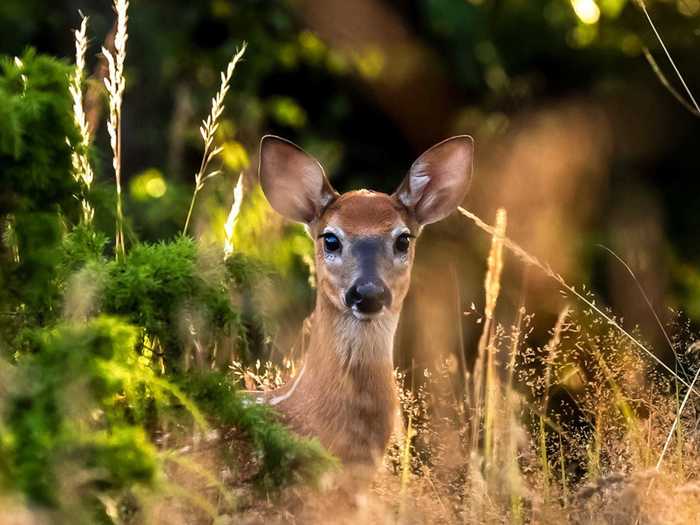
x=82 y=171
x=232 y=218
x=208 y=131
x=115 y=84
x=547 y=270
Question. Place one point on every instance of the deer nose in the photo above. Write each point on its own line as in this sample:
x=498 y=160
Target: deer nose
x=368 y=297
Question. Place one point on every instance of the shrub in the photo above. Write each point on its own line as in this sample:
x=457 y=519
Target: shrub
x=95 y=348
x=37 y=187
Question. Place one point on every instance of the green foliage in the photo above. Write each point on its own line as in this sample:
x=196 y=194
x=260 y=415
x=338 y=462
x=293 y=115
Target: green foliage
x=253 y=236
x=157 y=284
x=285 y=457
x=78 y=402
x=37 y=186
x=36 y=111
x=81 y=400
x=79 y=247
x=70 y=404
x=86 y=396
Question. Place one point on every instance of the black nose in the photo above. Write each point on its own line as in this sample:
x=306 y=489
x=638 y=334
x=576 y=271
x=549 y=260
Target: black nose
x=368 y=297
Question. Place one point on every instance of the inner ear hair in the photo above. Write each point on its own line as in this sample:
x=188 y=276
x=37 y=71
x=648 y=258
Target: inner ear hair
x=438 y=180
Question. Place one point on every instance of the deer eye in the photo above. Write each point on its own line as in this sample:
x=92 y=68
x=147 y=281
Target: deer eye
x=402 y=243
x=331 y=243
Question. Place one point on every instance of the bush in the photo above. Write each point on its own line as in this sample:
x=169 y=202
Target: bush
x=37 y=187
x=96 y=350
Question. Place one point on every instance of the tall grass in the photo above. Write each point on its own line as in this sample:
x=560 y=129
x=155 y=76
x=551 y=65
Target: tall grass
x=547 y=270
x=82 y=170
x=516 y=481
x=115 y=84
x=693 y=107
x=208 y=132
x=507 y=453
x=574 y=431
x=233 y=217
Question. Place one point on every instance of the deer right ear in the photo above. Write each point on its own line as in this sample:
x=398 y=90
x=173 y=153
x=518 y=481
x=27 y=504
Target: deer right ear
x=293 y=182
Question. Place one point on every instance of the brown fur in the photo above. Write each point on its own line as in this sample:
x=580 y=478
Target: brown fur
x=368 y=212
x=345 y=393
x=346 y=400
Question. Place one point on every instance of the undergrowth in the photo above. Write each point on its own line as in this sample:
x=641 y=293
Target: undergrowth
x=111 y=364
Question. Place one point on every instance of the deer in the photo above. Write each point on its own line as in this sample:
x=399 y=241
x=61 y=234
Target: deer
x=345 y=394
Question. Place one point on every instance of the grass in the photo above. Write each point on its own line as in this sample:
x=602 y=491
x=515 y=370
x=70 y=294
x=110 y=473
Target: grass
x=115 y=84
x=208 y=131
x=528 y=461
x=82 y=170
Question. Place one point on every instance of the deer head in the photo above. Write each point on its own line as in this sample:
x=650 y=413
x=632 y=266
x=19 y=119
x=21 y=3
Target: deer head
x=365 y=240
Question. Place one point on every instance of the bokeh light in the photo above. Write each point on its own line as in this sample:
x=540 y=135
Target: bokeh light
x=586 y=10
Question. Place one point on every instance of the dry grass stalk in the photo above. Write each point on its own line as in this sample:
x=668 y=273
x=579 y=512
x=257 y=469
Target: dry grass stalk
x=696 y=110
x=515 y=341
x=492 y=287
x=547 y=270
x=115 y=83
x=551 y=350
x=406 y=463
x=208 y=130
x=676 y=421
x=82 y=171
x=551 y=355
x=492 y=284
x=233 y=217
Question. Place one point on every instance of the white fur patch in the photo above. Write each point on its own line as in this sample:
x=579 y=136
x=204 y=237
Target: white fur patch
x=418 y=180
x=363 y=342
x=278 y=399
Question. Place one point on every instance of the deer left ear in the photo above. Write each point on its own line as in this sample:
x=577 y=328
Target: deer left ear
x=438 y=180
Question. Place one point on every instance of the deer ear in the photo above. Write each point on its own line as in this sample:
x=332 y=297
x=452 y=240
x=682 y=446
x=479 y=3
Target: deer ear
x=438 y=180
x=293 y=182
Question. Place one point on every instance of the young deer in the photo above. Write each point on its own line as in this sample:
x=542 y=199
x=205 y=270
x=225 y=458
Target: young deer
x=345 y=393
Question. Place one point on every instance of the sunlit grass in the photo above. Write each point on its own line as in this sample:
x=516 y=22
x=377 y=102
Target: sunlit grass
x=115 y=84
x=208 y=131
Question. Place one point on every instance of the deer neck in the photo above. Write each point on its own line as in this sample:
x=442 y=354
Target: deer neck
x=345 y=392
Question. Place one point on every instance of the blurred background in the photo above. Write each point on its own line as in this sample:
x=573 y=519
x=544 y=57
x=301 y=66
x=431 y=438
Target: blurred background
x=576 y=136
